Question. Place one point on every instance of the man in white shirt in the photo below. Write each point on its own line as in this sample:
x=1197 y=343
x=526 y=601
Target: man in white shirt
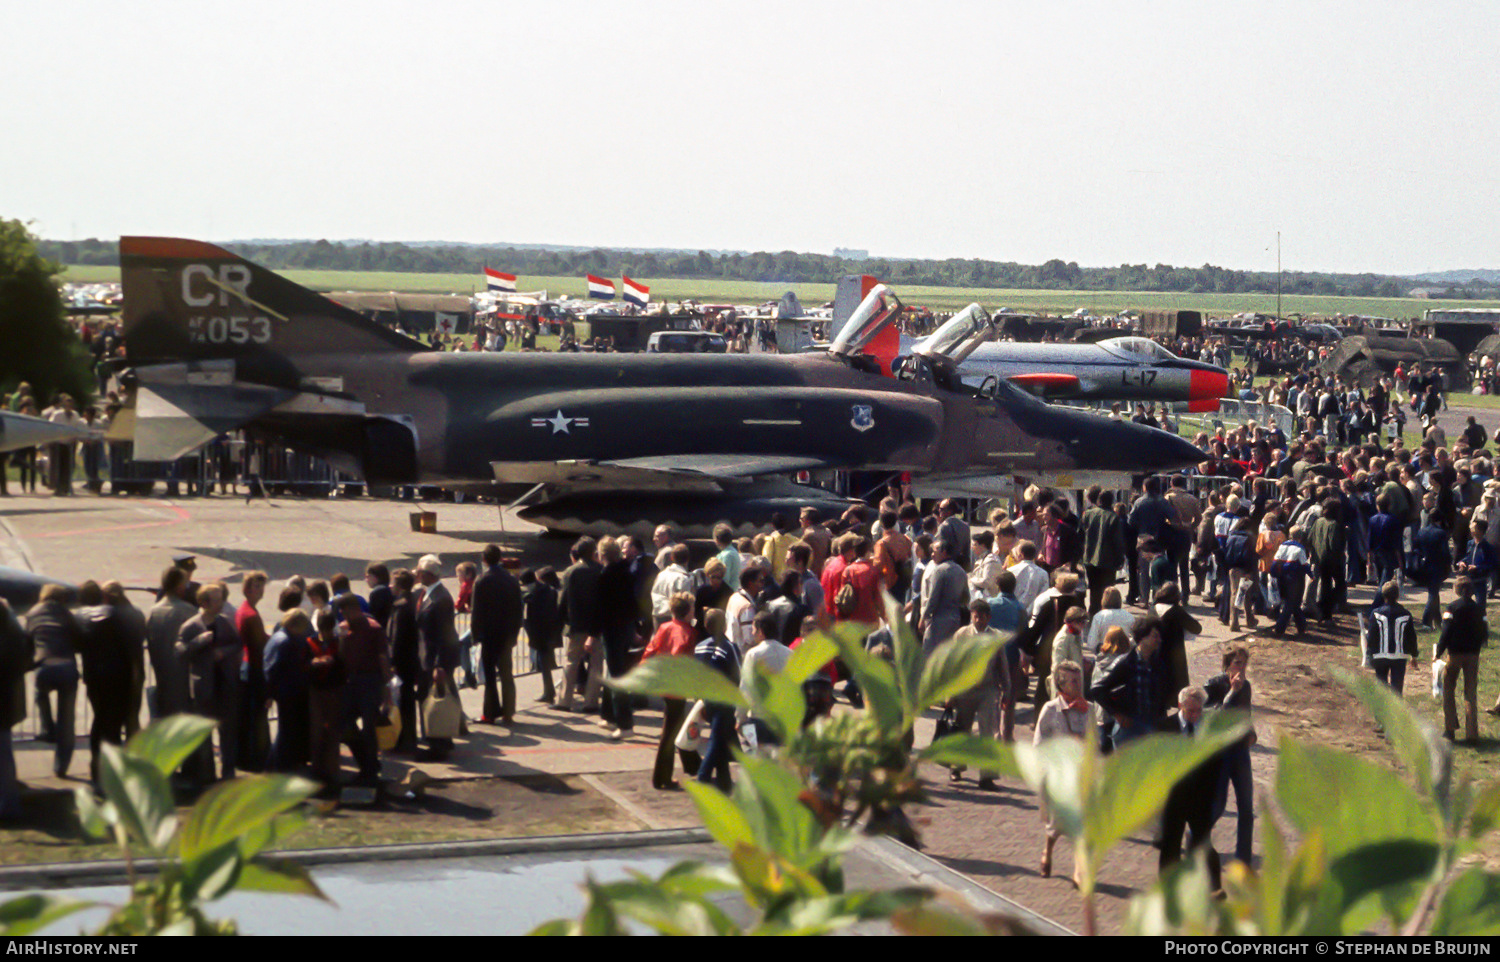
x=984 y=577
x=1031 y=578
x=768 y=656
x=740 y=611
x=671 y=580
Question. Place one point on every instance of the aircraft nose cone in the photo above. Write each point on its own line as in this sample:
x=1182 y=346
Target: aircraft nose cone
x=1208 y=383
x=1125 y=446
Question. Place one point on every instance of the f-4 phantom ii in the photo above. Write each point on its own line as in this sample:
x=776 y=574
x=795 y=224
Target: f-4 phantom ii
x=215 y=343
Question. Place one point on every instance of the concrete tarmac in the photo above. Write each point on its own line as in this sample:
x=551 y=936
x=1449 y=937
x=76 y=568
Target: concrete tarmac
x=993 y=837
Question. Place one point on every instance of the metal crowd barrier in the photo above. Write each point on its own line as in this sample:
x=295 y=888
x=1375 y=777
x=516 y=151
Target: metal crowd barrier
x=1232 y=413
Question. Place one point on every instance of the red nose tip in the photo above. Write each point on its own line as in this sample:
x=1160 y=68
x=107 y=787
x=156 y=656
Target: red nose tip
x=1205 y=388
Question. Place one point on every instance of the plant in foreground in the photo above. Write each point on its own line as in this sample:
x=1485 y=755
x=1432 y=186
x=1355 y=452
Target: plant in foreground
x=212 y=849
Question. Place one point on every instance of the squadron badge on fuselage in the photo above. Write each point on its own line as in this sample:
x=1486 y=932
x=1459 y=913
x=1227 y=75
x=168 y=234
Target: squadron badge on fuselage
x=864 y=417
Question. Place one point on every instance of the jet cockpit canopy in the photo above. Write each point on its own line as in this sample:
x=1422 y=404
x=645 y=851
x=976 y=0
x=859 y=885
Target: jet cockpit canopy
x=949 y=345
x=880 y=308
x=1137 y=348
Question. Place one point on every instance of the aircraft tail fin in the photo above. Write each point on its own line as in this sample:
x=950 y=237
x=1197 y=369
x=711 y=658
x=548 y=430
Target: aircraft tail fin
x=192 y=301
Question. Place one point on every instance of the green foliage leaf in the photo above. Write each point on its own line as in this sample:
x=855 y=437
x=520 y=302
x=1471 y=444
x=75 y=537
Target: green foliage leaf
x=1353 y=802
x=96 y=819
x=1054 y=770
x=1180 y=904
x=821 y=916
x=278 y=875
x=1417 y=744
x=907 y=650
x=723 y=819
x=212 y=874
x=769 y=799
x=972 y=751
x=1471 y=906
x=167 y=743
x=599 y=916
x=1133 y=783
x=667 y=913
x=557 y=927
x=876 y=678
x=1386 y=876
x=236 y=811
x=141 y=797
x=778 y=701
x=770 y=880
x=815 y=651
x=954 y=667
x=693 y=879
x=1486 y=811
x=679 y=676
x=32 y=913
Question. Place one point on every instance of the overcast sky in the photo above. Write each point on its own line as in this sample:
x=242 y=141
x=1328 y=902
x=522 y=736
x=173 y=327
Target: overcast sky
x=1367 y=133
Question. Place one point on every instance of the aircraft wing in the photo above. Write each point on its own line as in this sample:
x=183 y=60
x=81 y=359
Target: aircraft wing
x=19 y=431
x=687 y=473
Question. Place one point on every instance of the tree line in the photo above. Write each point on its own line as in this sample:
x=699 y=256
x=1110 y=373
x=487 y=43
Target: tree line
x=784 y=267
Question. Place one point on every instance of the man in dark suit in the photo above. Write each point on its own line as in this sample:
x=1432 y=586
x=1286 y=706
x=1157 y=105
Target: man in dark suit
x=436 y=621
x=496 y=624
x=378 y=577
x=1190 y=804
x=207 y=642
x=439 y=634
x=578 y=605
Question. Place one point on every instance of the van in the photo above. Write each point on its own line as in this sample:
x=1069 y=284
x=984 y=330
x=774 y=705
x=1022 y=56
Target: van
x=686 y=342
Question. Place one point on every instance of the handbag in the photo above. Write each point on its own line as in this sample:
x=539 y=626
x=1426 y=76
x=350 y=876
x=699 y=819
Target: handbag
x=388 y=723
x=843 y=599
x=693 y=735
x=441 y=712
x=946 y=723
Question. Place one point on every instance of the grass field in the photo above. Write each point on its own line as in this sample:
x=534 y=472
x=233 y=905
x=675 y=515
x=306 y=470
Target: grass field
x=937 y=298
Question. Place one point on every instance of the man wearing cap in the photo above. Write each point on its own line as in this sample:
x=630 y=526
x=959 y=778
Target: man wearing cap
x=189 y=563
x=366 y=656
x=496 y=624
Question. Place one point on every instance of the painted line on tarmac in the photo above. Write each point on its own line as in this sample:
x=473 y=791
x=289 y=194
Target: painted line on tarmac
x=605 y=746
x=181 y=514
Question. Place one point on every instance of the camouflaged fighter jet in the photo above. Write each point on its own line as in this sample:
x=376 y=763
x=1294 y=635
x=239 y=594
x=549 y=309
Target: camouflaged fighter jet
x=216 y=343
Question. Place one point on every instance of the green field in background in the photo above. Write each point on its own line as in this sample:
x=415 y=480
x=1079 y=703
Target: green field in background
x=814 y=295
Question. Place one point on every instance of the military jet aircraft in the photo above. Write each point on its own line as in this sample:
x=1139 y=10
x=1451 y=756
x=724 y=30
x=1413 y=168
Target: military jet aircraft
x=1115 y=369
x=217 y=343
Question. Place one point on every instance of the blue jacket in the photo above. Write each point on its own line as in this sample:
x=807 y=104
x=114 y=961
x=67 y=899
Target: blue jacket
x=1431 y=562
x=1480 y=554
x=1385 y=533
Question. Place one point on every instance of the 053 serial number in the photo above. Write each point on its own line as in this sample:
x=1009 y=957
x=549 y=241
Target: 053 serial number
x=229 y=330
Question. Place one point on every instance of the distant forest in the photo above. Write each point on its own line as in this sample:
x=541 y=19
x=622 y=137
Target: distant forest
x=786 y=267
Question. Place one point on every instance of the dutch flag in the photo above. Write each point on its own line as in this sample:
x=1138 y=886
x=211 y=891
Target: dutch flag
x=637 y=294
x=496 y=281
x=600 y=289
